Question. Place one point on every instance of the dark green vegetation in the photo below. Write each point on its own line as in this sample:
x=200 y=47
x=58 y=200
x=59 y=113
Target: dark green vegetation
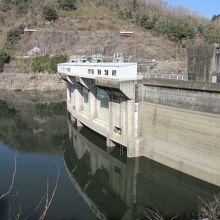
x=50 y=13
x=175 y=30
x=4 y=58
x=47 y=64
x=20 y=6
x=13 y=36
x=67 y=5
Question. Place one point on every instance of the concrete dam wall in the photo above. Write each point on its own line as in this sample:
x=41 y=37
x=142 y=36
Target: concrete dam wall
x=181 y=129
x=171 y=122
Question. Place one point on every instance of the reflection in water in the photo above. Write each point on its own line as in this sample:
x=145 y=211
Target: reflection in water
x=121 y=188
x=33 y=128
x=38 y=130
x=93 y=177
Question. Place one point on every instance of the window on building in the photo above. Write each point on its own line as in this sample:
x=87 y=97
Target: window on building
x=113 y=72
x=99 y=72
x=90 y=71
x=106 y=72
x=68 y=69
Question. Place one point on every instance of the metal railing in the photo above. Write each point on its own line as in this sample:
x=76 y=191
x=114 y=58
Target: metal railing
x=165 y=76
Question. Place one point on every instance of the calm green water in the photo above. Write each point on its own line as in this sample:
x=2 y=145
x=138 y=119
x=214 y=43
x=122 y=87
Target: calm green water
x=94 y=182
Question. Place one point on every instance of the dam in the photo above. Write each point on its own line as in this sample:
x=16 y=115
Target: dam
x=175 y=122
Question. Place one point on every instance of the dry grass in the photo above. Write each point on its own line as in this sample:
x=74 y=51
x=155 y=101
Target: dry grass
x=210 y=210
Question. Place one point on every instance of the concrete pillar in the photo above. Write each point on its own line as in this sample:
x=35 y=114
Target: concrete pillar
x=68 y=96
x=130 y=118
x=124 y=123
x=78 y=99
x=72 y=98
x=92 y=105
x=133 y=147
x=110 y=125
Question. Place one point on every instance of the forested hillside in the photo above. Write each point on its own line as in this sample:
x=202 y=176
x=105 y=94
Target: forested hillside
x=71 y=27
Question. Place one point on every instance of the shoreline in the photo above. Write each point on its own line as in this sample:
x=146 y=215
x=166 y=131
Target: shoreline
x=31 y=82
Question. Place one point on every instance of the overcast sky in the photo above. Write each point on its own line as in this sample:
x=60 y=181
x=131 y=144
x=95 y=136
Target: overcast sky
x=206 y=8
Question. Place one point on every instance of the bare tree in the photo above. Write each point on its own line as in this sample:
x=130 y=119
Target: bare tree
x=12 y=180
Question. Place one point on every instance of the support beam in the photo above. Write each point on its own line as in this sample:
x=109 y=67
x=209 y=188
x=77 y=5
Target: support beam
x=110 y=143
x=79 y=125
x=78 y=99
x=92 y=105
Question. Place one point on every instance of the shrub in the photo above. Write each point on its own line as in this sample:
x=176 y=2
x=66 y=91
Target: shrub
x=175 y=30
x=2 y=19
x=67 y=5
x=22 y=5
x=125 y=15
x=5 y=5
x=55 y=60
x=49 y=13
x=146 y=22
x=47 y=64
x=4 y=58
x=1 y=66
x=13 y=36
x=40 y=64
x=211 y=34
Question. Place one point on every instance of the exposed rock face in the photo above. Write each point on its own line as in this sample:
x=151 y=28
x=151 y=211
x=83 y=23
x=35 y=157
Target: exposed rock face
x=31 y=82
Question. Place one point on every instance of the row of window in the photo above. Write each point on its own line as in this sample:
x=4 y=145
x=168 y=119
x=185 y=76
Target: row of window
x=91 y=71
x=64 y=69
x=99 y=72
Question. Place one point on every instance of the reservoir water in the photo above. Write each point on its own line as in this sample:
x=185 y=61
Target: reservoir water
x=74 y=175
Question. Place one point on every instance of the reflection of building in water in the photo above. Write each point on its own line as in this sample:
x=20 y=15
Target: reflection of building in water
x=120 y=188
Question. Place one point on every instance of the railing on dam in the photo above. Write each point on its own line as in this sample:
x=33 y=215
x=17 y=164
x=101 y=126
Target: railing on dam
x=166 y=76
